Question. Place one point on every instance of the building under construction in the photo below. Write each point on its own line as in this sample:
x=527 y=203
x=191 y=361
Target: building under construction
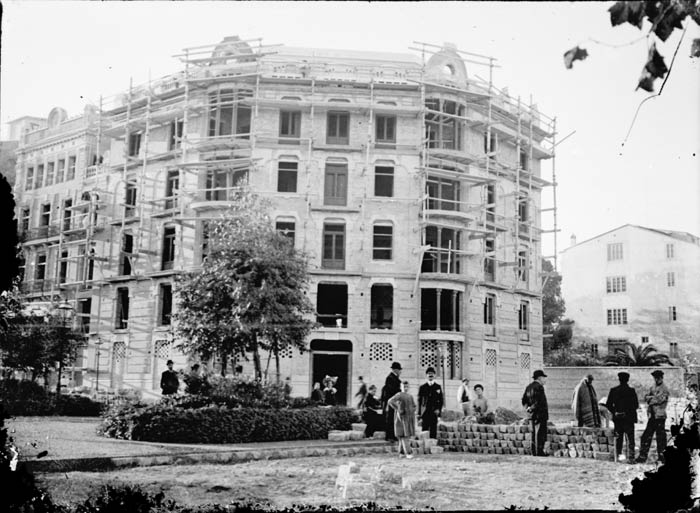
x=413 y=184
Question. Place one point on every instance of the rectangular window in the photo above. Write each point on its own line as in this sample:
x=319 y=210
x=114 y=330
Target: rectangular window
x=384 y=181
x=594 y=351
x=172 y=185
x=126 y=253
x=615 y=251
x=443 y=194
x=524 y=160
x=338 y=128
x=45 y=220
x=130 y=200
x=26 y=216
x=286 y=228
x=490 y=315
x=67 y=214
x=287 y=177
x=290 y=127
x=335 y=191
x=333 y=246
x=168 y=248
x=175 y=139
x=80 y=265
x=617 y=316
x=523 y=215
x=205 y=239
x=444 y=124
x=39 y=180
x=671 y=279
x=385 y=129
x=382 y=307
x=672 y=313
x=166 y=304
x=382 y=242
x=673 y=350
x=29 y=179
x=490 y=203
x=443 y=255
x=84 y=308
x=63 y=267
x=440 y=309
x=669 y=251
x=228 y=115
x=524 y=316
x=490 y=260
x=70 y=174
x=645 y=339
x=615 y=284
x=49 y=173
x=60 y=170
x=40 y=270
x=332 y=305
x=222 y=183
x=490 y=142
x=122 y=317
x=134 y=144
x=523 y=265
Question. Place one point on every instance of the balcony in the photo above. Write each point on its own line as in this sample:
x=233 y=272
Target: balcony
x=41 y=232
x=36 y=286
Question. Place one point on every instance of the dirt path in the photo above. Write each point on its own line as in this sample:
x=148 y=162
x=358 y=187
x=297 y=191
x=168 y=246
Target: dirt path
x=446 y=481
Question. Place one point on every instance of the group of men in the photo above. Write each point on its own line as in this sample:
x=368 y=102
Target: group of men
x=622 y=403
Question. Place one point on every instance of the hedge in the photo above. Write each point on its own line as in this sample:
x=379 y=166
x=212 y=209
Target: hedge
x=27 y=398
x=166 y=422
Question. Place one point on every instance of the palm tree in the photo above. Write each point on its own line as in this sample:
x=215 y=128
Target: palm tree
x=637 y=356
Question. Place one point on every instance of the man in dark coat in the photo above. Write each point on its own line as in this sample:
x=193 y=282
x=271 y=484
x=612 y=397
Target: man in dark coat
x=623 y=403
x=169 y=382
x=535 y=402
x=392 y=386
x=430 y=402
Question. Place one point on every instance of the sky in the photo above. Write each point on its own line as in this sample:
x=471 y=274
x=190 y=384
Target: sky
x=67 y=54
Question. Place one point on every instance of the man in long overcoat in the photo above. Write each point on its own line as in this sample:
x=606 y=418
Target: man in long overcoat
x=585 y=403
x=392 y=386
x=623 y=403
x=535 y=402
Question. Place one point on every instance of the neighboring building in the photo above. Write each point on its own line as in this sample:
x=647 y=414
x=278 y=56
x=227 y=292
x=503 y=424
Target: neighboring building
x=414 y=190
x=635 y=284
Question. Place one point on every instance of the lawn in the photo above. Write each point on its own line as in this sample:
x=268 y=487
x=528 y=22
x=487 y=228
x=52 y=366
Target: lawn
x=445 y=481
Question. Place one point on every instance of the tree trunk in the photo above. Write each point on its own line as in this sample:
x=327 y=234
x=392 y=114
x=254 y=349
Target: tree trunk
x=58 y=381
x=224 y=359
x=267 y=366
x=256 y=361
x=277 y=365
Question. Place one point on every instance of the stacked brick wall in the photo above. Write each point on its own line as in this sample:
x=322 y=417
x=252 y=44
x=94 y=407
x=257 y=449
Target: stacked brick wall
x=566 y=442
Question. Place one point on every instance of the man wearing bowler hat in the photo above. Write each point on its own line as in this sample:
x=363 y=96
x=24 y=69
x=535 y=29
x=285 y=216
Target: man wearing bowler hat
x=430 y=403
x=622 y=403
x=535 y=403
x=392 y=386
x=657 y=399
x=169 y=382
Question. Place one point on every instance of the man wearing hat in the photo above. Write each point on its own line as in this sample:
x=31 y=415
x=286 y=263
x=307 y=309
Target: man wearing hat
x=392 y=386
x=169 y=382
x=656 y=399
x=622 y=403
x=535 y=403
x=430 y=403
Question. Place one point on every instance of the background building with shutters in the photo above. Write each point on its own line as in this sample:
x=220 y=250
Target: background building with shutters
x=414 y=186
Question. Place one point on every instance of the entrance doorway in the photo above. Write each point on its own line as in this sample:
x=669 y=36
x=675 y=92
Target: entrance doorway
x=332 y=358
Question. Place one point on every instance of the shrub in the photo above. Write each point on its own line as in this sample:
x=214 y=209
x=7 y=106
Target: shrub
x=27 y=398
x=167 y=422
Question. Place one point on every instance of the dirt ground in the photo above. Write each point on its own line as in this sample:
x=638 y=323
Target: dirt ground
x=445 y=482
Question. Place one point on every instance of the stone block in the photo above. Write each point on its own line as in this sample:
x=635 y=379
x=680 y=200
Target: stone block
x=568 y=431
x=425 y=434
x=379 y=435
x=589 y=439
x=604 y=456
x=502 y=429
x=499 y=450
x=358 y=426
x=412 y=483
x=357 y=435
x=604 y=448
x=490 y=436
x=572 y=439
x=602 y=439
x=511 y=429
x=572 y=452
x=436 y=450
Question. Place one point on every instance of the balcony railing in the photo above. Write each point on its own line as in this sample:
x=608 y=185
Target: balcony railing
x=34 y=286
x=41 y=232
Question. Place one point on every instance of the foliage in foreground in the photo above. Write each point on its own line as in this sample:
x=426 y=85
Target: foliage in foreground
x=27 y=398
x=168 y=422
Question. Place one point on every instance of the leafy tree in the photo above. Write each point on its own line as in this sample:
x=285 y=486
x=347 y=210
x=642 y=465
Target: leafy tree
x=35 y=343
x=250 y=293
x=9 y=261
x=553 y=306
x=663 y=18
x=631 y=355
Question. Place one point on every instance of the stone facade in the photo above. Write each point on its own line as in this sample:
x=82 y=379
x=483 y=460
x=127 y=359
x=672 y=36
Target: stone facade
x=414 y=190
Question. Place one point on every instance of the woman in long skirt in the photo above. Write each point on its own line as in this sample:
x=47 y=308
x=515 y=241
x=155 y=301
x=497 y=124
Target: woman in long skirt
x=404 y=418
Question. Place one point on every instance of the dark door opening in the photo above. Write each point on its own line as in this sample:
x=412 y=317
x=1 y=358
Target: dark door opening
x=332 y=364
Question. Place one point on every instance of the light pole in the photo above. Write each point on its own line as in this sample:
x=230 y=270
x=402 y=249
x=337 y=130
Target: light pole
x=65 y=312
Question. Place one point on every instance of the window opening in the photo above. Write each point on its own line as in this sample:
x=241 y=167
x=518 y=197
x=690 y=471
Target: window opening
x=384 y=181
x=287 y=176
x=382 y=306
x=332 y=305
x=333 y=246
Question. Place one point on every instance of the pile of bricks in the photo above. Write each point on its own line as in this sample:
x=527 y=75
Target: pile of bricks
x=423 y=444
x=356 y=433
x=566 y=442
